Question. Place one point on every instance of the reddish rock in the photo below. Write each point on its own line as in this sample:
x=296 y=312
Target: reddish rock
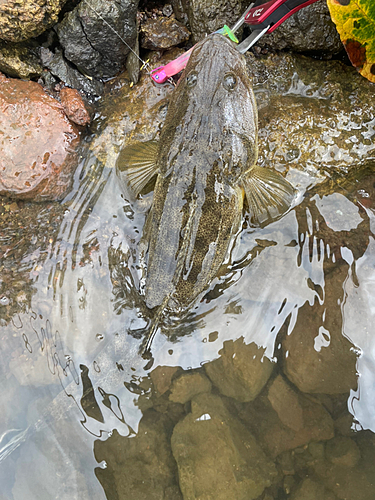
x=37 y=142
x=74 y=106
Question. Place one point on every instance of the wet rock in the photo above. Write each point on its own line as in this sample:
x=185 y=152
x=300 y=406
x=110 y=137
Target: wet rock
x=355 y=483
x=284 y=401
x=38 y=143
x=188 y=385
x=205 y=16
x=279 y=426
x=316 y=116
x=74 y=106
x=319 y=359
x=163 y=33
x=308 y=30
x=343 y=451
x=91 y=44
x=161 y=377
x=65 y=72
x=312 y=490
x=19 y=61
x=217 y=457
x=241 y=371
x=141 y=466
x=24 y=19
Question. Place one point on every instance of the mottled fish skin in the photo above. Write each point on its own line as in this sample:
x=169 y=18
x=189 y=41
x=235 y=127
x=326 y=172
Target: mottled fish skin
x=208 y=141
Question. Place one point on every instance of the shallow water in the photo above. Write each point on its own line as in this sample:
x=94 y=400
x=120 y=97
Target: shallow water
x=85 y=416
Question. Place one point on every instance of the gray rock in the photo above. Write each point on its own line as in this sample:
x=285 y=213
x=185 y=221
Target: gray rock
x=188 y=385
x=65 y=72
x=242 y=370
x=205 y=16
x=308 y=30
x=87 y=35
x=217 y=457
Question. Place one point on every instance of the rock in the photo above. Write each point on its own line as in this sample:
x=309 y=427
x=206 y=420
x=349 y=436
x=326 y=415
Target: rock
x=318 y=358
x=284 y=401
x=19 y=61
x=163 y=33
x=308 y=30
x=74 y=106
x=24 y=19
x=315 y=116
x=343 y=451
x=161 y=378
x=241 y=371
x=311 y=490
x=217 y=457
x=38 y=143
x=205 y=16
x=279 y=426
x=61 y=69
x=91 y=43
x=188 y=385
x=139 y=467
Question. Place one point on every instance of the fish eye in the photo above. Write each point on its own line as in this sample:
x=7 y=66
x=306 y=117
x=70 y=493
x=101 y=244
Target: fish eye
x=229 y=81
x=191 y=79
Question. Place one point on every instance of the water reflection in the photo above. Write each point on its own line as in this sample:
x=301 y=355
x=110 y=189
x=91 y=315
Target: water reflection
x=263 y=371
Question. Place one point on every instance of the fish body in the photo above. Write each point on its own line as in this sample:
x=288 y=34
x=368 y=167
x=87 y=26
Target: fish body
x=205 y=163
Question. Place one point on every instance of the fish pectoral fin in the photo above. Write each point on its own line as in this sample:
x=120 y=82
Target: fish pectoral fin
x=136 y=165
x=268 y=194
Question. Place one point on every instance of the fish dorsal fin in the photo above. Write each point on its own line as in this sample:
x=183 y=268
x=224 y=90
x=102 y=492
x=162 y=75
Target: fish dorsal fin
x=136 y=165
x=268 y=194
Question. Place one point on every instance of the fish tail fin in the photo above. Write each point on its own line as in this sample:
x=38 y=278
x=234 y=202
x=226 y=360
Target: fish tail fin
x=155 y=325
x=268 y=194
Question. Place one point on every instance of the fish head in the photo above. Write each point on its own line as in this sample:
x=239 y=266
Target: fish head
x=215 y=92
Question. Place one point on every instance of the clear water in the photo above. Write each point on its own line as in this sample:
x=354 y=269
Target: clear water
x=83 y=415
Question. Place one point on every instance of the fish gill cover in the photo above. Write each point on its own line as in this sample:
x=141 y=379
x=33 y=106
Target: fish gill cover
x=355 y=22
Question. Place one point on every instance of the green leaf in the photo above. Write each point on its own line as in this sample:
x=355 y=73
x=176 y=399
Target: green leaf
x=355 y=22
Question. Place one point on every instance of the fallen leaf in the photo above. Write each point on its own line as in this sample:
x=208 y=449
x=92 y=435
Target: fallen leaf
x=355 y=22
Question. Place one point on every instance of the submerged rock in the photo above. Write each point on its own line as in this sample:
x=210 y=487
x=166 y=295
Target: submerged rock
x=163 y=33
x=24 y=19
x=309 y=489
x=188 y=385
x=241 y=371
x=285 y=419
x=316 y=116
x=217 y=457
x=139 y=467
x=87 y=35
x=38 y=143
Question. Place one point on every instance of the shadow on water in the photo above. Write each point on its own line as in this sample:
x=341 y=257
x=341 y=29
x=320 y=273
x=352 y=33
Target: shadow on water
x=262 y=390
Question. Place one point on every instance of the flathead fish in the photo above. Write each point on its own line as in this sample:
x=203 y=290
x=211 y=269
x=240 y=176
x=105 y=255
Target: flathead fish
x=205 y=162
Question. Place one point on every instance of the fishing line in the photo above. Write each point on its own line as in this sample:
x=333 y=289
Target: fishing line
x=145 y=64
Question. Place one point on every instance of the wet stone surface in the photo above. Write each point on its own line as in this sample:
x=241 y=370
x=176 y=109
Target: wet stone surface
x=38 y=143
x=21 y=20
x=163 y=33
